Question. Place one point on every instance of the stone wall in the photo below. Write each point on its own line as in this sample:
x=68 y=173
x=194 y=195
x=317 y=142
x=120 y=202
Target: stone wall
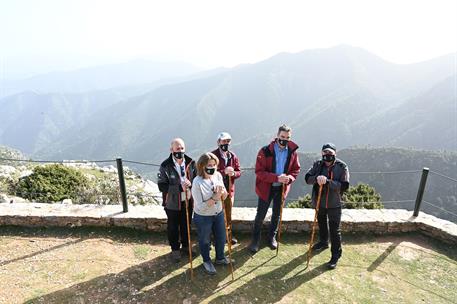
x=154 y=218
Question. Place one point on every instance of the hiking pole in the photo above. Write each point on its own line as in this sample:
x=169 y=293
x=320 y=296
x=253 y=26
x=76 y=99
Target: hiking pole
x=318 y=202
x=231 y=207
x=229 y=244
x=188 y=236
x=280 y=216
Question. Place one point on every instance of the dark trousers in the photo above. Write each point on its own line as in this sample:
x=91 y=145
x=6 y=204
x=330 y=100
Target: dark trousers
x=334 y=220
x=262 y=209
x=177 y=227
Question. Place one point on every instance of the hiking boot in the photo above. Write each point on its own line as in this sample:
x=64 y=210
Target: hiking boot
x=320 y=246
x=209 y=268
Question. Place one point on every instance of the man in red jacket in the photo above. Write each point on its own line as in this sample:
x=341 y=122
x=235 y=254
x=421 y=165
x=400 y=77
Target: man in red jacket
x=229 y=167
x=276 y=167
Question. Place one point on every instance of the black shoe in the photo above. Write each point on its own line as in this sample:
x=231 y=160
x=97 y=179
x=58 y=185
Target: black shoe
x=234 y=241
x=175 y=256
x=273 y=244
x=319 y=246
x=185 y=251
x=254 y=247
x=332 y=263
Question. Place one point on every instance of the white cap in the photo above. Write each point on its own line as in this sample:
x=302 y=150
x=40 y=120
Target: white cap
x=223 y=135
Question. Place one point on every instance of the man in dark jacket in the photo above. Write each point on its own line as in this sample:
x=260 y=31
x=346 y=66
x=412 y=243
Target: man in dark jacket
x=333 y=175
x=174 y=180
x=229 y=167
x=276 y=167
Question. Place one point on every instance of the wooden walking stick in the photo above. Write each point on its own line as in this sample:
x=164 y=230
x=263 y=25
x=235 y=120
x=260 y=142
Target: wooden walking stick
x=229 y=243
x=318 y=202
x=231 y=208
x=280 y=215
x=188 y=236
x=188 y=226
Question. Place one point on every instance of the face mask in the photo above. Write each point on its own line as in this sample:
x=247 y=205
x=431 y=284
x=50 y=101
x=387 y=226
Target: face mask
x=178 y=155
x=224 y=147
x=210 y=171
x=283 y=142
x=328 y=157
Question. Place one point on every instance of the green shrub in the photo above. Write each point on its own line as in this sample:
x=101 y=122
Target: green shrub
x=51 y=183
x=361 y=196
x=303 y=202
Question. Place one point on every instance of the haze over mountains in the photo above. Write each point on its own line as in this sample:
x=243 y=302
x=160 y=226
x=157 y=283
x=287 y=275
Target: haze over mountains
x=341 y=94
x=96 y=78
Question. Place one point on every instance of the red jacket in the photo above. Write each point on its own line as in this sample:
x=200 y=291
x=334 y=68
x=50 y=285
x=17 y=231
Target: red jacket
x=232 y=162
x=265 y=169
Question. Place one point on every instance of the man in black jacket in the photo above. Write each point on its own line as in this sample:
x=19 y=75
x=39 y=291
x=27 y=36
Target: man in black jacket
x=333 y=175
x=175 y=180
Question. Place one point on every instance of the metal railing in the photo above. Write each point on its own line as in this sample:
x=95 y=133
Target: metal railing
x=123 y=195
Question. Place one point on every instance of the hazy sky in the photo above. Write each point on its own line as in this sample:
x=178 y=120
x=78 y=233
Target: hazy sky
x=61 y=34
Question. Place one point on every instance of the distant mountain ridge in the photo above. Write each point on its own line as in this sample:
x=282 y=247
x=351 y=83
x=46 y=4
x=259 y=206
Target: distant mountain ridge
x=99 y=77
x=335 y=94
x=342 y=94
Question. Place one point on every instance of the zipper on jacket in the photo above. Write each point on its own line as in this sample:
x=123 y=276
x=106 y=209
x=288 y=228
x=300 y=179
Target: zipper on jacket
x=328 y=186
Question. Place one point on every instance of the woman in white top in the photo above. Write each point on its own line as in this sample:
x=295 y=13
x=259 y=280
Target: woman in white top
x=208 y=191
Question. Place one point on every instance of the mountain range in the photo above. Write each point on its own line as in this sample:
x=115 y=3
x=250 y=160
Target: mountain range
x=343 y=94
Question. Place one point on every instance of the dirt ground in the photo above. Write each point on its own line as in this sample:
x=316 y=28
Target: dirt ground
x=125 y=266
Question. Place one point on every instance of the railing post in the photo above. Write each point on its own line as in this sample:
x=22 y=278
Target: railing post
x=420 y=191
x=120 y=172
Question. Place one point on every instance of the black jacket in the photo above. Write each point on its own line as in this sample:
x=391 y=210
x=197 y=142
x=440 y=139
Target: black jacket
x=169 y=182
x=337 y=182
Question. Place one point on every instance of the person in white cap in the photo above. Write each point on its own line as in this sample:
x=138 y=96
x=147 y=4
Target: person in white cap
x=229 y=167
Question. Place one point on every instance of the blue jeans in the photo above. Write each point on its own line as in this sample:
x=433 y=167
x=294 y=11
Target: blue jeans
x=205 y=225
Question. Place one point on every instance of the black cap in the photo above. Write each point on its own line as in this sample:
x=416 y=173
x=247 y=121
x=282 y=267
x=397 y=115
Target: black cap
x=329 y=146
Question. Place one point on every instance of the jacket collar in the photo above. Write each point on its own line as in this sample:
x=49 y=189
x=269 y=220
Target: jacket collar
x=291 y=146
x=187 y=159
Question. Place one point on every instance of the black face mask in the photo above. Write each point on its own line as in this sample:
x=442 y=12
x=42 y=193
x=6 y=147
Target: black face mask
x=210 y=171
x=178 y=155
x=328 y=157
x=224 y=147
x=283 y=142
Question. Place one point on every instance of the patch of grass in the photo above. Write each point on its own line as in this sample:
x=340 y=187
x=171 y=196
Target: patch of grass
x=141 y=252
x=36 y=293
x=79 y=276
